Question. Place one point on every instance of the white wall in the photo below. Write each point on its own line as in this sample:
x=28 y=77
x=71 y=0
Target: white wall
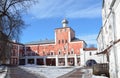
x=85 y=56
x=111 y=33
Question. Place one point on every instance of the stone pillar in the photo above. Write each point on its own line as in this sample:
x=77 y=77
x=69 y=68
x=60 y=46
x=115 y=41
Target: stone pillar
x=35 y=61
x=44 y=60
x=18 y=54
x=66 y=62
x=26 y=60
x=82 y=57
x=75 y=60
x=56 y=60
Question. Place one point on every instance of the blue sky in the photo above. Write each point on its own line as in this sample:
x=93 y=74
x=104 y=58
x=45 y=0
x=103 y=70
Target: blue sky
x=84 y=17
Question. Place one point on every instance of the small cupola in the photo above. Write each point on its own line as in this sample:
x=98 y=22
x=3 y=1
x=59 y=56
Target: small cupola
x=64 y=22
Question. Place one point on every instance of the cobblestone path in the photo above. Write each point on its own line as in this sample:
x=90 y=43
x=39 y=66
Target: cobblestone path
x=16 y=72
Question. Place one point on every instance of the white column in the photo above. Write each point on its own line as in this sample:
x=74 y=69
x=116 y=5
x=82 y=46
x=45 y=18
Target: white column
x=26 y=60
x=75 y=59
x=56 y=60
x=44 y=60
x=18 y=54
x=66 y=62
x=82 y=57
x=35 y=59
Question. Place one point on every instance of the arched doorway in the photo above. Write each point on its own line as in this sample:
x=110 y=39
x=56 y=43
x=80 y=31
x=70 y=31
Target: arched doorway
x=91 y=62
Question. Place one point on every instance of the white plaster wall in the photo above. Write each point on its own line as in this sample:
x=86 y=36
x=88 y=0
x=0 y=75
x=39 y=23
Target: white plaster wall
x=112 y=64
x=92 y=56
x=118 y=59
x=100 y=42
x=117 y=36
x=117 y=22
x=108 y=35
x=82 y=56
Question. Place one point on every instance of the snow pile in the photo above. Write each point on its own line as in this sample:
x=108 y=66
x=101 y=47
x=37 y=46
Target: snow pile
x=98 y=76
x=1 y=67
x=3 y=72
x=48 y=71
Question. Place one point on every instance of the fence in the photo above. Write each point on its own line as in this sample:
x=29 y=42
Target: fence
x=101 y=69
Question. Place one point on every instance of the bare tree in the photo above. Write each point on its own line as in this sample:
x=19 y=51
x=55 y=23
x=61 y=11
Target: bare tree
x=11 y=23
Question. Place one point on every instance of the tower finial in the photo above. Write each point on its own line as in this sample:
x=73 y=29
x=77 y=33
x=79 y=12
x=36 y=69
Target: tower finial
x=64 y=22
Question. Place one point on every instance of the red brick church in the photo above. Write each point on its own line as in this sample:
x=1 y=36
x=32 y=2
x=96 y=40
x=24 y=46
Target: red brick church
x=63 y=51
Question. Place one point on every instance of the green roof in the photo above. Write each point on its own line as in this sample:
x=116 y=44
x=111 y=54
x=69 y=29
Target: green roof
x=41 y=42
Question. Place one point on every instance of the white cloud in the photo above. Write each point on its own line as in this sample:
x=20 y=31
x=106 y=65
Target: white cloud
x=89 y=12
x=67 y=8
x=89 y=39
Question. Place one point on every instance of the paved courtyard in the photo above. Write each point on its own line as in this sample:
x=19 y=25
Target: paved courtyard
x=73 y=74
x=48 y=72
x=17 y=72
x=29 y=72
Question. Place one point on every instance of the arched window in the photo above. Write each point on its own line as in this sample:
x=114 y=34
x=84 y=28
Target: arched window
x=68 y=53
x=51 y=53
x=58 y=41
x=43 y=53
x=65 y=41
x=59 y=52
x=62 y=41
x=72 y=51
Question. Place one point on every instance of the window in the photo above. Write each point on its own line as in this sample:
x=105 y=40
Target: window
x=65 y=41
x=43 y=53
x=58 y=41
x=51 y=53
x=59 y=52
x=72 y=51
x=68 y=53
x=90 y=53
x=64 y=47
x=61 y=30
x=62 y=41
x=48 y=54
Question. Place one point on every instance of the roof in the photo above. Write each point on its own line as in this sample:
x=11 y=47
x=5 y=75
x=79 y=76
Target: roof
x=18 y=43
x=65 y=21
x=41 y=42
x=75 y=39
x=103 y=52
x=89 y=49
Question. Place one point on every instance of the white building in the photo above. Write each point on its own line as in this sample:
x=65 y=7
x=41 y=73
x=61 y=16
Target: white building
x=89 y=55
x=109 y=36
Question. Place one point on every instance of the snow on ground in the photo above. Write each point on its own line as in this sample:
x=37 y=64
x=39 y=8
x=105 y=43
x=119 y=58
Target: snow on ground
x=98 y=76
x=51 y=71
x=1 y=67
x=48 y=71
x=3 y=74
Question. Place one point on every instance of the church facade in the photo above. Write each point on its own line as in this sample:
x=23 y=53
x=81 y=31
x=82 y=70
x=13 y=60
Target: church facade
x=63 y=51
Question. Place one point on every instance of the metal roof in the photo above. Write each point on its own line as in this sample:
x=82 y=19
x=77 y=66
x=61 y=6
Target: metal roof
x=41 y=42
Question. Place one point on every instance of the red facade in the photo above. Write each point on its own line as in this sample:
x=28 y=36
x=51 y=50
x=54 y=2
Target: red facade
x=64 y=50
x=65 y=43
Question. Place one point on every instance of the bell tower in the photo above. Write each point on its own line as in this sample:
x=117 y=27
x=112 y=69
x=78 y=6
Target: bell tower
x=64 y=34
